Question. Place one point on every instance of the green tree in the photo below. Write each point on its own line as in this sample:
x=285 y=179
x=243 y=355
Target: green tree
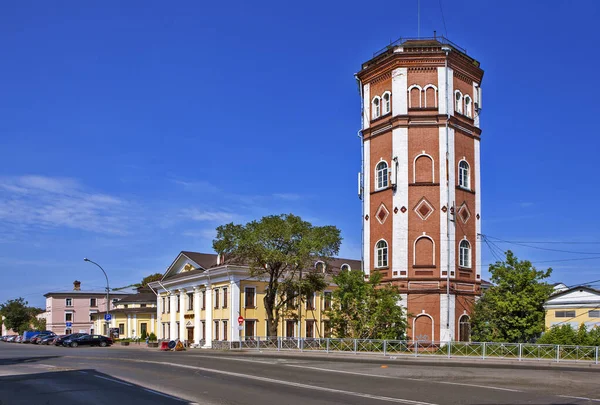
x=512 y=309
x=559 y=335
x=366 y=309
x=281 y=250
x=148 y=279
x=17 y=315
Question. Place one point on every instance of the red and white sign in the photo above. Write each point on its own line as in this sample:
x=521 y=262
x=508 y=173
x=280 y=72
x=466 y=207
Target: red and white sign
x=240 y=320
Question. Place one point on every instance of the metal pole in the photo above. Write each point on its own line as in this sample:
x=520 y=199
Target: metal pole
x=107 y=292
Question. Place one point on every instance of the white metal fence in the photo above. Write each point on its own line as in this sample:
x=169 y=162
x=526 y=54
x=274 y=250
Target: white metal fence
x=484 y=350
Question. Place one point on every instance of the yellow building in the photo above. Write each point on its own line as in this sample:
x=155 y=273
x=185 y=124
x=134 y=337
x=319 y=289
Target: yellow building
x=200 y=301
x=574 y=306
x=133 y=315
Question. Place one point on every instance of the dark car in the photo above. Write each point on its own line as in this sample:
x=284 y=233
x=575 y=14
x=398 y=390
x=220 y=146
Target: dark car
x=45 y=339
x=60 y=340
x=38 y=338
x=89 y=340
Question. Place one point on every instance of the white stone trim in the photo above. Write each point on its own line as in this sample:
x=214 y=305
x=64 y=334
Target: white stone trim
x=383 y=110
x=415 y=86
x=374 y=111
x=234 y=311
x=208 y=320
x=367 y=207
x=476 y=173
x=458 y=103
x=443 y=106
x=435 y=94
x=377 y=188
x=366 y=106
x=446 y=334
x=376 y=257
x=415 y=166
x=424 y=236
x=432 y=326
x=399 y=200
x=443 y=201
x=399 y=92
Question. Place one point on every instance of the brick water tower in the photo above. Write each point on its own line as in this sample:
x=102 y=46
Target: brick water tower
x=420 y=184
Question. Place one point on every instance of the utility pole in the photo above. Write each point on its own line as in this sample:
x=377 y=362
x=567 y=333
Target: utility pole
x=107 y=293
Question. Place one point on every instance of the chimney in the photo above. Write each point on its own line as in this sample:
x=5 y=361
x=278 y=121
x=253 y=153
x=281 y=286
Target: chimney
x=76 y=285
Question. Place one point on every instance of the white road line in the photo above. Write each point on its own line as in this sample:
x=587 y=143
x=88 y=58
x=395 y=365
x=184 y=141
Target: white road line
x=288 y=383
x=403 y=378
x=82 y=372
x=583 y=398
x=164 y=395
x=110 y=379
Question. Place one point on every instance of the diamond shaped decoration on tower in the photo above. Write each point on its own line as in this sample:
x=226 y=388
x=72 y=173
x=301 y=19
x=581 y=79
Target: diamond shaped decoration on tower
x=463 y=213
x=424 y=209
x=382 y=213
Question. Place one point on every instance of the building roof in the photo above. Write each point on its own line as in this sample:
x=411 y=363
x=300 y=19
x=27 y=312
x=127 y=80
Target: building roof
x=147 y=310
x=139 y=297
x=84 y=293
x=206 y=260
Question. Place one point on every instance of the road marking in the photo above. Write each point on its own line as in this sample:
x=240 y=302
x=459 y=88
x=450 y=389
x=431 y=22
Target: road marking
x=403 y=378
x=110 y=379
x=281 y=382
x=164 y=395
x=82 y=372
x=584 y=398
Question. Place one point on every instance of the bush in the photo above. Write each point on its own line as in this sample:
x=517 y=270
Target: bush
x=144 y=335
x=152 y=337
x=566 y=335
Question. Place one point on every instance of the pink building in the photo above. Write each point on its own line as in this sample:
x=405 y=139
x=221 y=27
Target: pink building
x=76 y=308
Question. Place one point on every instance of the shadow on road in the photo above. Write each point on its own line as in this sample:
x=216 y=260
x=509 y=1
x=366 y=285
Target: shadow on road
x=23 y=360
x=75 y=387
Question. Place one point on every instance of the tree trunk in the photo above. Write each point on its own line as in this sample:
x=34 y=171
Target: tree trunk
x=272 y=315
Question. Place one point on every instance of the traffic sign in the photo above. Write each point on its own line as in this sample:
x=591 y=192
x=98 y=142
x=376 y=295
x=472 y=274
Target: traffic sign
x=107 y=317
x=69 y=324
x=240 y=320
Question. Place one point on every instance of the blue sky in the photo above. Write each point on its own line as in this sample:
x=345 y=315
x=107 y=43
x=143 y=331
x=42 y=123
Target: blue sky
x=128 y=132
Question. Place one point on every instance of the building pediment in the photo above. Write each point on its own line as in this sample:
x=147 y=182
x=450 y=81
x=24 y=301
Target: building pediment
x=575 y=296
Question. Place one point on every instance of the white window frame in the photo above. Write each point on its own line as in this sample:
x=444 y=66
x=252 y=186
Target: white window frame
x=379 y=173
x=386 y=102
x=464 y=256
x=348 y=268
x=317 y=265
x=314 y=303
x=415 y=248
x=458 y=101
x=67 y=300
x=435 y=95
x=95 y=300
x=379 y=264
x=468 y=106
x=72 y=316
x=415 y=166
x=464 y=175
x=376 y=107
x=415 y=86
x=248 y=287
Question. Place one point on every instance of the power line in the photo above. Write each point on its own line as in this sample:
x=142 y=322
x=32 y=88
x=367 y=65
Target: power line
x=443 y=19
x=540 y=248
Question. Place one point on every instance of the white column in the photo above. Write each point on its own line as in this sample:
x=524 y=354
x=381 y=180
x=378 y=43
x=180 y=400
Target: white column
x=159 y=310
x=452 y=191
x=367 y=207
x=447 y=329
x=400 y=236
x=209 y=317
x=197 y=324
x=234 y=289
x=182 y=309
x=442 y=100
x=367 y=106
x=128 y=332
x=173 y=316
x=135 y=331
x=477 y=211
x=152 y=322
x=399 y=91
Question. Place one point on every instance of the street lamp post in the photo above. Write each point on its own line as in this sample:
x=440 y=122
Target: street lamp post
x=107 y=292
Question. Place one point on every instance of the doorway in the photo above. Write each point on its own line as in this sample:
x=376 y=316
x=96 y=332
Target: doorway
x=190 y=334
x=464 y=329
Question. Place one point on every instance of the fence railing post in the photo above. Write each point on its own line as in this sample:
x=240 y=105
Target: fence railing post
x=279 y=344
x=355 y=345
x=449 y=348
x=258 y=343
x=557 y=353
x=520 y=351
x=327 y=345
x=483 y=351
x=597 y=354
x=301 y=344
x=416 y=348
x=385 y=350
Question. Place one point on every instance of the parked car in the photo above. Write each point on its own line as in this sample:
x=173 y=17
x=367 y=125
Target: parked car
x=47 y=340
x=18 y=339
x=60 y=340
x=38 y=339
x=11 y=339
x=89 y=340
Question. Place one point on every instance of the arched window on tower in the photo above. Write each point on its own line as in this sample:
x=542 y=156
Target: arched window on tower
x=464 y=331
x=376 y=107
x=458 y=102
x=381 y=254
x=468 y=107
x=464 y=256
x=464 y=178
x=414 y=96
x=387 y=102
x=423 y=169
x=424 y=252
x=430 y=96
x=381 y=174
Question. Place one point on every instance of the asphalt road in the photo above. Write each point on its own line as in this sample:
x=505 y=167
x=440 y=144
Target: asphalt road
x=31 y=374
